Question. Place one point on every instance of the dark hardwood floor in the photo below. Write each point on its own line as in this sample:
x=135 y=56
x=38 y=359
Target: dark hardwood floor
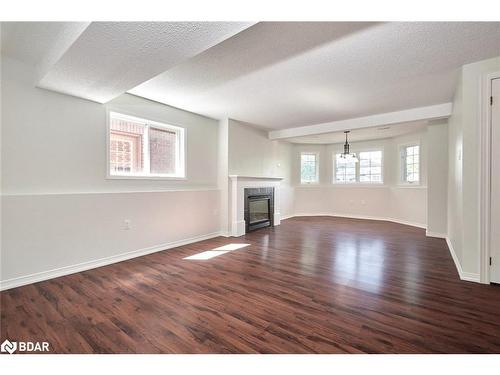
x=311 y=285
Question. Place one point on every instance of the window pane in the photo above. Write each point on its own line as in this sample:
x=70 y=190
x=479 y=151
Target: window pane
x=139 y=147
x=308 y=167
x=370 y=166
x=162 y=151
x=126 y=147
x=345 y=171
x=411 y=163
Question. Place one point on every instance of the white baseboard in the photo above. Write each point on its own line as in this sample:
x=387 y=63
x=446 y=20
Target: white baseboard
x=364 y=217
x=435 y=234
x=238 y=228
x=466 y=276
x=67 y=270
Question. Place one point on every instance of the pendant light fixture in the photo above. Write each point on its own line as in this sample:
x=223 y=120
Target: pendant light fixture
x=347 y=156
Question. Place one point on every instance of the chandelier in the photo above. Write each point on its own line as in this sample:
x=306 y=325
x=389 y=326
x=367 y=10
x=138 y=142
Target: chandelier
x=347 y=156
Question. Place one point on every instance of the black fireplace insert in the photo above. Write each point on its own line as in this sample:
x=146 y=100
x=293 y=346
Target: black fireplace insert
x=259 y=208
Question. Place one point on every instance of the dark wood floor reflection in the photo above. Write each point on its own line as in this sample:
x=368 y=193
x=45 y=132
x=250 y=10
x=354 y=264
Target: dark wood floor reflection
x=325 y=285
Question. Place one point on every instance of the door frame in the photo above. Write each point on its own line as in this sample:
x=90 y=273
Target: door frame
x=485 y=175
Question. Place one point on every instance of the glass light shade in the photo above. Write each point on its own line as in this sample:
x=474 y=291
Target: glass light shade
x=347 y=158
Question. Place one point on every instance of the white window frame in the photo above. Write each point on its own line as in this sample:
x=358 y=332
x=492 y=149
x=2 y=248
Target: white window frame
x=316 y=182
x=334 y=172
x=402 y=164
x=358 y=182
x=180 y=156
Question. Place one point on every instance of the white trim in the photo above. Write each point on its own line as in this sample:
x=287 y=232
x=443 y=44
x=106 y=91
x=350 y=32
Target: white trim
x=358 y=185
x=408 y=186
x=466 y=276
x=402 y=165
x=432 y=112
x=67 y=270
x=235 y=176
x=435 y=234
x=358 y=150
x=173 y=190
x=144 y=177
x=180 y=141
x=485 y=175
x=316 y=154
x=363 y=217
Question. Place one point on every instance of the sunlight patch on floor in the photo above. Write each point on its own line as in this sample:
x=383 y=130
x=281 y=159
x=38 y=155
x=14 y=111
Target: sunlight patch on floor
x=209 y=254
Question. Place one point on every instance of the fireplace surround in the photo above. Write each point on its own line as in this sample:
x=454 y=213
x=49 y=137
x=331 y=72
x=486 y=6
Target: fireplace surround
x=259 y=208
x=236 y=201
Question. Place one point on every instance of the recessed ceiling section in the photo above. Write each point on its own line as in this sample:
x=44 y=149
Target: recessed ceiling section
x=364 y=134
x=110 y=58
x=283 y=75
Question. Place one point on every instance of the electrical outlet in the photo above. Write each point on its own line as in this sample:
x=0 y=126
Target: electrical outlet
x=126 y=224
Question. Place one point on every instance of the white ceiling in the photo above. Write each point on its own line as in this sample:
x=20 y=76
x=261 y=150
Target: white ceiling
x=280 y=75
x=273 y=74
x=109 y=58
x=31 y=41
x=364 y=134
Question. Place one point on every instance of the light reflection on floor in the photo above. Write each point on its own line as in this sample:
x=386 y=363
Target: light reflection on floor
x=360 y=263
x=209 y=254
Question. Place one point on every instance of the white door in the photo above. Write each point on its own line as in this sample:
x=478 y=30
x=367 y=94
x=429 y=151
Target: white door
x=495 y=182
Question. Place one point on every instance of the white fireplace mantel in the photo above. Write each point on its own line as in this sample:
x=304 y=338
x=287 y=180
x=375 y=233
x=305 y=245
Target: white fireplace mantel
x=237 y=185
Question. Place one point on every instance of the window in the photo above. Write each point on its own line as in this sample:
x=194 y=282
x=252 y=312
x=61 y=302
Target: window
x=410 y=156
x=345 y=171
x=142 y=148
x=370 y=166
x=367 y=171
x=308 y=168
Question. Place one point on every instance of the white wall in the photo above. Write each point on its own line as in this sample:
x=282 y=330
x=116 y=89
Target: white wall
x=53 y=179
x=59 y=210
x=251 y=153
x=464 y=166
x=437 y=178
x=455 y=194
x=391 y=200
x=57 y=143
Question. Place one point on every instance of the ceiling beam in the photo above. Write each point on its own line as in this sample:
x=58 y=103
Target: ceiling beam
x=432 y=112
x=62 y=41
x=110 y=58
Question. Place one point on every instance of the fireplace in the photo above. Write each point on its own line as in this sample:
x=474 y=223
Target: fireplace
x=259 y=208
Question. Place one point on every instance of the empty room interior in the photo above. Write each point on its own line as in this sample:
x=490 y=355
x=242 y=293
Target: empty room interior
x=250 y=187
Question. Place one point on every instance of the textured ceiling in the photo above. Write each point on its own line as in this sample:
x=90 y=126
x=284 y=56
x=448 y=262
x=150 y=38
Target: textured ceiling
x=364 y=134
x=31 y=41
x=112 y=57
x=40 y=44
x=273 y=74
x=280 y=75
x=108 y=58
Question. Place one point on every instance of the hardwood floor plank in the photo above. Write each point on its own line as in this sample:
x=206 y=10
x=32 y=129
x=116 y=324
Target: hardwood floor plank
x=310 y=285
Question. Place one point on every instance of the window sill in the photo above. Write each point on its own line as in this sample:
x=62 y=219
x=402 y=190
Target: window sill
x=167 y=178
